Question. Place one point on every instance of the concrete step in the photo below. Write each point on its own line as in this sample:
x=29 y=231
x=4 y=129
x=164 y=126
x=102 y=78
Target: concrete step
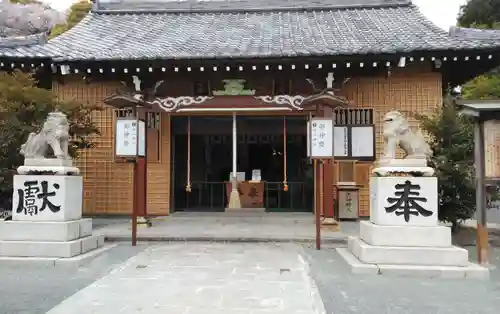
x=438 y=236
x=45 y=231
x=50 y=249
x=400 y=255
x=471 y=271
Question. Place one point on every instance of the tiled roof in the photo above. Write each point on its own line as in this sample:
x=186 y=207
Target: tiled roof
x=474 y=33
x=236 y=5
x=245 y=29
x=19 y=41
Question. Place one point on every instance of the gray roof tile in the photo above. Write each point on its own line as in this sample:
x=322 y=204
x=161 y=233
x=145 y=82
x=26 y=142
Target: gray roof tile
x=370 y=27
x=236 y=5
x=475 y=33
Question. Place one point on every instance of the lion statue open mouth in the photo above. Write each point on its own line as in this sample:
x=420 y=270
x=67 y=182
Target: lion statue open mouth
x=54 y=134
x=397 y=131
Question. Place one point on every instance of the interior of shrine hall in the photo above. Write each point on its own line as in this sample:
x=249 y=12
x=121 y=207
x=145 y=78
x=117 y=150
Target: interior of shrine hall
x=261 y=156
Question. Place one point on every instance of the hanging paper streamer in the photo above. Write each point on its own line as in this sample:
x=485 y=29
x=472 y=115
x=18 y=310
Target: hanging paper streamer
x=285 y=184
x=188 y=184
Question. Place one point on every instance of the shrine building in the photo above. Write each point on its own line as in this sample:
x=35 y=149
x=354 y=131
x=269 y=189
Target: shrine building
x=195 y=67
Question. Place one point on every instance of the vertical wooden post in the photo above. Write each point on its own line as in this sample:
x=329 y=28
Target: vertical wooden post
x=482 y=228
x=188 y=166
x=327 y=172
x=234 y=197
x=142 y=172
x=317 y=207
x=135 y=205
x=235 y=149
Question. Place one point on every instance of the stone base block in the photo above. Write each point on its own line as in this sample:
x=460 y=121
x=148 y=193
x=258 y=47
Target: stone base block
x=48 y=162
x=50 y=249
x=400 y=255
x=246 y=210
x=47 y=198
x=48 y=262
x=52 y=170
x=389 y=206
x=470 y=271
x=373 y=234
x=405 y=162
x=45 y=231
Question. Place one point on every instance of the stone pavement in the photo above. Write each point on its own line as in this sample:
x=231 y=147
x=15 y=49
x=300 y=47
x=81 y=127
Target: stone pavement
x=243 y=227
x=30 y=289
x=343 y=292
x=197 y=278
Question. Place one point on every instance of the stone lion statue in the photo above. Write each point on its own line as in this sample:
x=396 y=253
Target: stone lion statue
x=55 y=133
x=398 y=132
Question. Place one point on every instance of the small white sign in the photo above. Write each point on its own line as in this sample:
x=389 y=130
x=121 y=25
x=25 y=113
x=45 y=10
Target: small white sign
x=341 y=141
x=47 y=198
x=256 y=175
x=142 y=139
x=404 y=201
x=240 y=176
x=362 y=141
x=128 y=132
x=320 y=138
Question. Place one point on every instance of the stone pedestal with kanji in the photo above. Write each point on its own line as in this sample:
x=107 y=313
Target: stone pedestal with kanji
x=47 y=224
x=47 y=198
x=403 y=236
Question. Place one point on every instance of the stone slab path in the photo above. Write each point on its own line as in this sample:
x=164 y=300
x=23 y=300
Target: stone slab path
x=198 y=278
x=233 y=227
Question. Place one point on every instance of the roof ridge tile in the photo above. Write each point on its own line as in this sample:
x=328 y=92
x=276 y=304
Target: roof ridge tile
x=177 y=6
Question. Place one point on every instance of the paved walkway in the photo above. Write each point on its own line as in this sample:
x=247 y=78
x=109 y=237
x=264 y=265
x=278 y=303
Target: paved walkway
x=197 y=278
x=243 y=227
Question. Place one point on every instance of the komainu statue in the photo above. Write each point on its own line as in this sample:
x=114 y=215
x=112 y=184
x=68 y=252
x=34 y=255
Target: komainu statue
x=54 y=134
x=398 y=132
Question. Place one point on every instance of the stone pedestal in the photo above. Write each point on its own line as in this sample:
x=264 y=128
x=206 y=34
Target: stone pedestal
x=387 y=201
x=403 y=236
x=47 y=198
x=47 y=222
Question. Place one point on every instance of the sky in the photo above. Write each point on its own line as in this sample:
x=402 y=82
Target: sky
x=442 y=12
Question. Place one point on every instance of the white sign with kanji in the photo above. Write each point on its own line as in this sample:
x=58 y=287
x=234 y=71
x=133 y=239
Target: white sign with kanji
x=47 y=198
x=320 y=138
x=404 y=201
x=128 y=132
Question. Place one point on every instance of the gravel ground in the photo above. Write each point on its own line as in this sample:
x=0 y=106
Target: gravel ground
x=37 y=290
x=343 y=292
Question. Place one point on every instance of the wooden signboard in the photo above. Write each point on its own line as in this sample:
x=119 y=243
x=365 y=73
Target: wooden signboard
x=320 y=138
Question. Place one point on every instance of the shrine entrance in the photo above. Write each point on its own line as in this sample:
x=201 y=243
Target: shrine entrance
x=202 y=159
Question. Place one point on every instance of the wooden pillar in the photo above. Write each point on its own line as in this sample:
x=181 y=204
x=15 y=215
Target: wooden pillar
x=328 y=202
x=482 y=228
x=327 y=173
x=142 y=175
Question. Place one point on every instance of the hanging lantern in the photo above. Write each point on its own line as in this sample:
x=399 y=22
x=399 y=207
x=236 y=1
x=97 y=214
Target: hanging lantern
x=285 y=184
x=188 y=183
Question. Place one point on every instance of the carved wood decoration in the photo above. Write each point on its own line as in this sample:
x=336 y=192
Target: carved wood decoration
x=294 y=102
x=172 y=104
x=234 y=96
x=234 y=88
